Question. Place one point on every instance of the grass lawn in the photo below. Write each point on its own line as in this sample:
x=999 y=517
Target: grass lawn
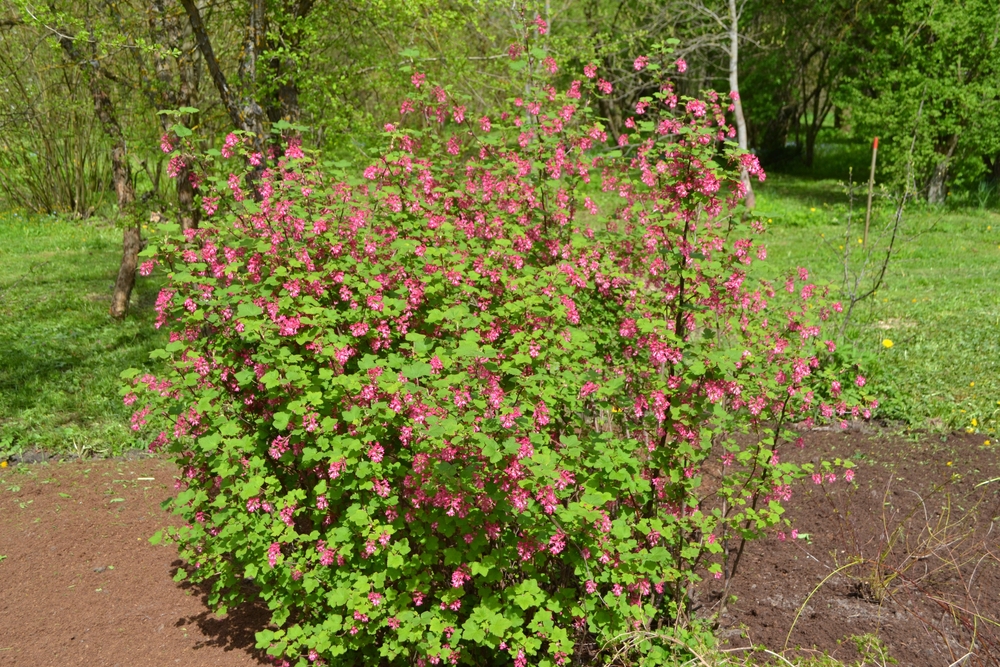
x=939 y=305
x=60 y=353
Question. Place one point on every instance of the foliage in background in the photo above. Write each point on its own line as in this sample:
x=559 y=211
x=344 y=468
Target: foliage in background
x=941 y=57
x=861 y=67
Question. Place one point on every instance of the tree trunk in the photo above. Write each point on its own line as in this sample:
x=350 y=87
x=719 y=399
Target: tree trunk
x=121 y=173
x=245 y=113
x=734 y=87
x=288 y=33
x=992 y=169
x=169 y=30
x=937 y=186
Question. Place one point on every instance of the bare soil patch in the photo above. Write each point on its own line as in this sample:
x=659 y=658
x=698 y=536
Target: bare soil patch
x=921 y=529
x=80 y=583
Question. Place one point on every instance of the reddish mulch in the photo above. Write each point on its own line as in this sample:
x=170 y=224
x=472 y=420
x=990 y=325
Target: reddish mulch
x=80 y=583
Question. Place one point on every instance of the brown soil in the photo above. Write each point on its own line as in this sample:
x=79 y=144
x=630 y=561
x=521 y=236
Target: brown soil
x=927 y=545
x=80 y=583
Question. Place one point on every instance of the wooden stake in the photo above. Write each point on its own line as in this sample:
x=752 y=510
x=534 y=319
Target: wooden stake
x=871 y=187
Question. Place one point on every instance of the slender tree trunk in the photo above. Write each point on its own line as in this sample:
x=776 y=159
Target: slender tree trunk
x=170 y=31
x=244 y=113
x=734 y=86
x=937 y=186
x=121 y=173
x=992 y=169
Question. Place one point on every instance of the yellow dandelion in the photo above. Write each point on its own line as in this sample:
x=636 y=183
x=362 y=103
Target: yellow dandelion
x=913 y=301
x=975 y=422
x=986 y=443
x=887 y=343
x=3 y=464
x=813 y=210
x=860 y=241
x=948 y=463
x=972 y=384
x=769 y=219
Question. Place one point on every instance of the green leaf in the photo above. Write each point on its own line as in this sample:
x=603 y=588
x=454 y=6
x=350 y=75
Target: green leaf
x=417 y=370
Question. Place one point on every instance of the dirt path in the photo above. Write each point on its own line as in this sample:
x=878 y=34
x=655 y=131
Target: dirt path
x=81 y=585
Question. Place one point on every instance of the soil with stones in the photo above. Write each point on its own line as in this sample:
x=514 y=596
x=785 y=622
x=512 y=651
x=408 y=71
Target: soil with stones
x=908 y=552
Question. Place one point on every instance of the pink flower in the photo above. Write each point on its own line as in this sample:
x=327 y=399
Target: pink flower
x=146 y=268
x=681 y=65
x=375 y=453
x=272 y=554
x=175 y=166
x=590 y=71
x=543 y=27
x=640 y=63
x=417 y=79
x=232 y=141
x=860 y=381
x=165 y=144
x=375 y=599
x=628 y=328
x=849 y=474
x=459 y=577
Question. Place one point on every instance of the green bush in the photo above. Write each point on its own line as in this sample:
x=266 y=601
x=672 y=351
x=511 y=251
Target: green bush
x=452 y=412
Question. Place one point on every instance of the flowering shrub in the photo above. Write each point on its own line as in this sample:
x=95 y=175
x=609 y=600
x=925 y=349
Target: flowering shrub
x=501 y=399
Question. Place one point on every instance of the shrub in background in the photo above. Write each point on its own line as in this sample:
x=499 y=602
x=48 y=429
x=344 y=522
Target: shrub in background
x=453 y=411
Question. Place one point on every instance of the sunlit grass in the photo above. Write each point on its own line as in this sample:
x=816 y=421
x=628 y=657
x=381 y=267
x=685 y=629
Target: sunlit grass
x=939 y=307
x=60 y=353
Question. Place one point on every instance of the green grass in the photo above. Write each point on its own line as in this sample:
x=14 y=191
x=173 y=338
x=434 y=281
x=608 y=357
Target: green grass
x=60 y=353
x=939 y=305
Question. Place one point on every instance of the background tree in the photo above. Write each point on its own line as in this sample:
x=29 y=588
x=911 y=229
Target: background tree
x=941 y=55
